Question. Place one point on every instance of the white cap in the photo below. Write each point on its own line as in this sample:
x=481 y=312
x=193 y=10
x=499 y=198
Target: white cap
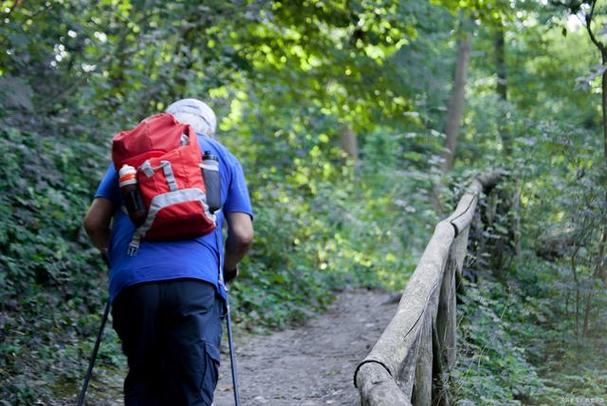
x=195 y=113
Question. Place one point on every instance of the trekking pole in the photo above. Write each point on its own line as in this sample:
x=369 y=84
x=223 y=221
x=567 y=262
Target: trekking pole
x=89 y=372
x=232 y=352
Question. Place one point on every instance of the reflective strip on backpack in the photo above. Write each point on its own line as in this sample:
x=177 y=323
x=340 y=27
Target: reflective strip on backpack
x=169 y=175
x=164 y=200
x=184 y=140
x=146 y=168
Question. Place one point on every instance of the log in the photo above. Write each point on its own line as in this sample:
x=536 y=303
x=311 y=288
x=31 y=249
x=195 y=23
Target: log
x=397 y=346
x=446 y=314
x=378 y=387
x=423 y=371
x=489 y=179
x=440 y=393
x=423 y=331
x=556 y=243
x=459 y=249
x=462 y=216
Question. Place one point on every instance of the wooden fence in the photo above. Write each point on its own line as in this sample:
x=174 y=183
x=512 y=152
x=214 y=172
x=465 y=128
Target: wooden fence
x=410 y=362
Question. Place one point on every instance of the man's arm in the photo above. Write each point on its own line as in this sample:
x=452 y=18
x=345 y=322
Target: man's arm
x=97 y=223
x=240 y=238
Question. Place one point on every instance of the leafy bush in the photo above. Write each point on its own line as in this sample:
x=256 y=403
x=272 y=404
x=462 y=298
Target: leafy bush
x=53 y=283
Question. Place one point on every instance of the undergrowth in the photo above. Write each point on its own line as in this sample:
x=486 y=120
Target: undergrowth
x=516 y=343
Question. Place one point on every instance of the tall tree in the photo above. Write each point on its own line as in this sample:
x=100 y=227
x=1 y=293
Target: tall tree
x=502 y=85
x=590 y=12
x=603 y=50
x=349 y=142
x=455 y=109
x=590 y=16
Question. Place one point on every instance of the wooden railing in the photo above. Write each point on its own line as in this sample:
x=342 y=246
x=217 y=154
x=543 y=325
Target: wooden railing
x=410 y=362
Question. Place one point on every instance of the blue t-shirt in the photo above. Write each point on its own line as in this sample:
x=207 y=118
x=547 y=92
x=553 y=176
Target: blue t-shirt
x=198 y=258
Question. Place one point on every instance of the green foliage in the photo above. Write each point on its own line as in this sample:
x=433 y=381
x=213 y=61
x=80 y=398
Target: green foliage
x=51 y=285
x=517 y=347
x=492 y=369
x=287 y=79
x=325 y=223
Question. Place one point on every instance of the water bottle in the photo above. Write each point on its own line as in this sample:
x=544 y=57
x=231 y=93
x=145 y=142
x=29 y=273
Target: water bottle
x=212 y=181
x=131 y=195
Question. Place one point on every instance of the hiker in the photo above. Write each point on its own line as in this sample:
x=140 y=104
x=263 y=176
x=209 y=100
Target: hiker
x=168 y=297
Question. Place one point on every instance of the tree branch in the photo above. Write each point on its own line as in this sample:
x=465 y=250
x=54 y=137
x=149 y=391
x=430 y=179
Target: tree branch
x=593 y=38
x=15 y=5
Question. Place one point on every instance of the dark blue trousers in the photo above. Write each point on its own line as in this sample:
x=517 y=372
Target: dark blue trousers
x=170 y=333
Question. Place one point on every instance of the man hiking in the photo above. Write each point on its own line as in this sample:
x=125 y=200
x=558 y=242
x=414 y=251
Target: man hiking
x=168 y=296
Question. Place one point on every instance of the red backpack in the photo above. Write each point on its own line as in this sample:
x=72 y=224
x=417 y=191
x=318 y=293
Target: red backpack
x=168 y=161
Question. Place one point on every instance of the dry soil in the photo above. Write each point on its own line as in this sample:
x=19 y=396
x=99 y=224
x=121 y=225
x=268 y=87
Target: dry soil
x=312 y=364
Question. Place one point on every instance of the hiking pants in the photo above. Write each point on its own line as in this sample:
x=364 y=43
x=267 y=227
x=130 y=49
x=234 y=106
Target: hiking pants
x=170 y=333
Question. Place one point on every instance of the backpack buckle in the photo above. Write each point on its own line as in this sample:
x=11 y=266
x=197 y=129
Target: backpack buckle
x=134 y=246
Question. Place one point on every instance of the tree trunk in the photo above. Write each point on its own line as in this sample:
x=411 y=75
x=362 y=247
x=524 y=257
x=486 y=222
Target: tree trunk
x=456 y=103
x=516 y=218
x=587 y=310
x=602 y=262
x=577 y=291
x=604 y=103
x=502 y=88
x=349 y=143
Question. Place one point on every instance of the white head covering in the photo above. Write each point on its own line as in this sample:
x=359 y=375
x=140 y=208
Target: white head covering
x=195 y=113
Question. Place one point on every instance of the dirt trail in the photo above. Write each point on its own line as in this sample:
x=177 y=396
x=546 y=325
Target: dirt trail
x=309 y=365
x=312 y=364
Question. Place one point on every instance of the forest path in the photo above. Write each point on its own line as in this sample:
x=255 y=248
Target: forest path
x=312 y=364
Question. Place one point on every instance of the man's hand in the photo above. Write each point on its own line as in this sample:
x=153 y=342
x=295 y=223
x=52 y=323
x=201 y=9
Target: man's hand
x=230 y=274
